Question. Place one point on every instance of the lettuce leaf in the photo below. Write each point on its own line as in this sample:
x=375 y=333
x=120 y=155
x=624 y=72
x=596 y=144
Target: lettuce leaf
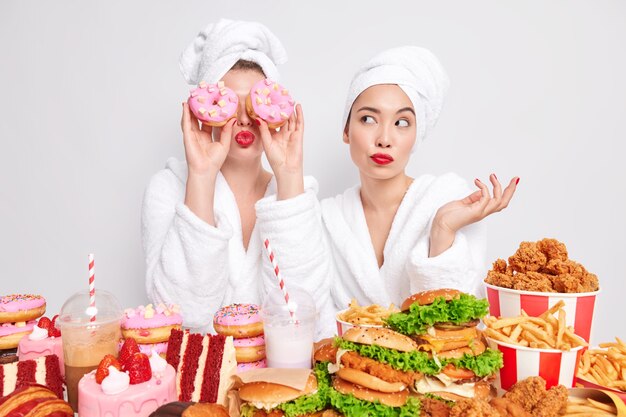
x=420 y=318
x=485 y=364
x=350 y=406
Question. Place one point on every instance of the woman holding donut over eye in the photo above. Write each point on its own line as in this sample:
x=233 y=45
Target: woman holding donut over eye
x=204 y=220
x=393 y=235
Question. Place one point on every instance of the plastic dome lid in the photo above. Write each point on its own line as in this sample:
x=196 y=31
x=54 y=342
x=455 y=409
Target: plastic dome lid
x=76 y=311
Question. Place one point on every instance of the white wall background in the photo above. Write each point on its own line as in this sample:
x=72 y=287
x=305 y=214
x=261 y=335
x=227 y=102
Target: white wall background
x=90 y=98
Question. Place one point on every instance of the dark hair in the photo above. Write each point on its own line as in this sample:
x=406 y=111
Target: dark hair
x=244 y=65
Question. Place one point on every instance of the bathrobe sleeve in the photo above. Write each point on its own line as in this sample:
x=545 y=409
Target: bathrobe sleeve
x=462 y=266
x=186 y=258
x=295 y=231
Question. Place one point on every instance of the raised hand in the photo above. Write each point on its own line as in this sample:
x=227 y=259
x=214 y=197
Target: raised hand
x=456 y=214
x=203 y=155
x=284 y=153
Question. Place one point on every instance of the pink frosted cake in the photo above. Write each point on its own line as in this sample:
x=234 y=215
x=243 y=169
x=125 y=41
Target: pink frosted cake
x=116 y=396
x=40 y=343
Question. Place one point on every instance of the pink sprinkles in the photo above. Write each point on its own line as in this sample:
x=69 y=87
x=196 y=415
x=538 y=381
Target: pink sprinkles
x=238 y=311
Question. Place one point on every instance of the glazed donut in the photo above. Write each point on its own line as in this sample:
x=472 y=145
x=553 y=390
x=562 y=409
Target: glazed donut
x=243 y=367
x=12 y=333
x=251 y=349
x=21 y=307
x=213 y=104
x=271 y=102
x=150 y=324
x=238 y=320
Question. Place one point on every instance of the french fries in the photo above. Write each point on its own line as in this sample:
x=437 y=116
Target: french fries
x=605 y=366
x=543 y=332
x=582 y=407
x=370 y=315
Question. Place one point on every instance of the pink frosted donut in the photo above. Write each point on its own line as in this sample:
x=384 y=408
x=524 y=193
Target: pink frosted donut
x=12 y=333
x=251 y=349
x=271 y=102
x=243 y=367
x=213 y=104
x=238 y=320
x=21 y=307
x=150 y=324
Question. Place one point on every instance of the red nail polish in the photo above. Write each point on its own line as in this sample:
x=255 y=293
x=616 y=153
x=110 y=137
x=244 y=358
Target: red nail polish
x=517 y=182
x=494 y=175
x=476 y=179
x=258 y=122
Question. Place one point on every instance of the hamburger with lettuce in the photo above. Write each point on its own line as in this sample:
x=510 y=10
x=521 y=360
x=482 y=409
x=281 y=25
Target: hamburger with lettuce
x=443 y=324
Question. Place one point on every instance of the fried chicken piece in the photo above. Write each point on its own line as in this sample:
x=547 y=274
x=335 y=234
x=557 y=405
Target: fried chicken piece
x=499 y=279
x=380 y=370
x=533 y=281
x=508 y=408
x=527 y=392
x=434 y=408
x=553 y=403
x=566 y=283
x=473 y=408
x=532 y=396
x=528 y=257
x=553 y=249
x=500 y=266
x=589 y=282
x=558 y=267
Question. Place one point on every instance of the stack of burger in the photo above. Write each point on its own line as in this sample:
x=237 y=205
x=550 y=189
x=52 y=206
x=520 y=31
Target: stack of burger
x=443 y=324
x=434 y=349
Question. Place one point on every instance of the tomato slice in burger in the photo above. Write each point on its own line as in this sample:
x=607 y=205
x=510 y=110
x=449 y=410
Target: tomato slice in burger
x=459 y=373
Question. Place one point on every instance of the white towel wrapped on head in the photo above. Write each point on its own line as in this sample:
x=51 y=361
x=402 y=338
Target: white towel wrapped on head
x=220 y=45
x=416 y=71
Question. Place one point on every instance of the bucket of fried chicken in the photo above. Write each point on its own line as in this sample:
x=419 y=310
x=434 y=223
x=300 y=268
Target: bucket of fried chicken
x=538 y=276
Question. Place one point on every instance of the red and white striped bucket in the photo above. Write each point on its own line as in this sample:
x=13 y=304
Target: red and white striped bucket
x=579 y=307
x=555 y=366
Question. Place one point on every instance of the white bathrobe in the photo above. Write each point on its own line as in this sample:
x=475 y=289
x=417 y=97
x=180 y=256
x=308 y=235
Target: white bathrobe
x=407 y=269
x=202 y=267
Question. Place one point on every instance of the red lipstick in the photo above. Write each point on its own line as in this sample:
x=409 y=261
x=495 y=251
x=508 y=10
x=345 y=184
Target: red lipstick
x=382 y=158
x=244 y=138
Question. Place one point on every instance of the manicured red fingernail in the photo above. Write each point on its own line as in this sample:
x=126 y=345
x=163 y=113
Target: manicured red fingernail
x=476 y=179
x=517 y=182
x=494 y=175
x=258 y=122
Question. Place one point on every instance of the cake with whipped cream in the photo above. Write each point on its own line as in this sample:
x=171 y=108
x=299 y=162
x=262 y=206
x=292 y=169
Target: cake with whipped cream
x=134 y=386
x=43 y=340
x=43 y=371
x=205 y=365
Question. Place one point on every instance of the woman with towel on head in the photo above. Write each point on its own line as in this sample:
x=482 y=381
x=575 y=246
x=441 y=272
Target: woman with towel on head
x=204 y=220
x=392 y=235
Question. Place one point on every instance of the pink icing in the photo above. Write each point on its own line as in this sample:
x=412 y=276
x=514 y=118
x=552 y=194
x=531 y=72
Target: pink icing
x=137 y=400
x=242 y=367
x=32 y=349
x=213 y=103
x=163 y=316
x=147 y=348
x=7 y=329
x=19 y=302
x=250 y=341
x=271 y=101
x=237 y=315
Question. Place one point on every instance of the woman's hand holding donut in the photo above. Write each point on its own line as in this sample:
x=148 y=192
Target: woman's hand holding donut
x=204 y=158
x=284 y=153
x=454 y=215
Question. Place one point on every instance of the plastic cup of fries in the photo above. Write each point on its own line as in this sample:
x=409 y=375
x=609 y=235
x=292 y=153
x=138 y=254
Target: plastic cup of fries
x=580 y=307
x=362 y=316
x=604 y=368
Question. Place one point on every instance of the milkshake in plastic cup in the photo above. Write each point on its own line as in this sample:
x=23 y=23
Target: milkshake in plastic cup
x=289 y=340
x=86 y=342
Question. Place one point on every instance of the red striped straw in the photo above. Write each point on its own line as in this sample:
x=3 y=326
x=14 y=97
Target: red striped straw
x=281 y=282
x=92 y=287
